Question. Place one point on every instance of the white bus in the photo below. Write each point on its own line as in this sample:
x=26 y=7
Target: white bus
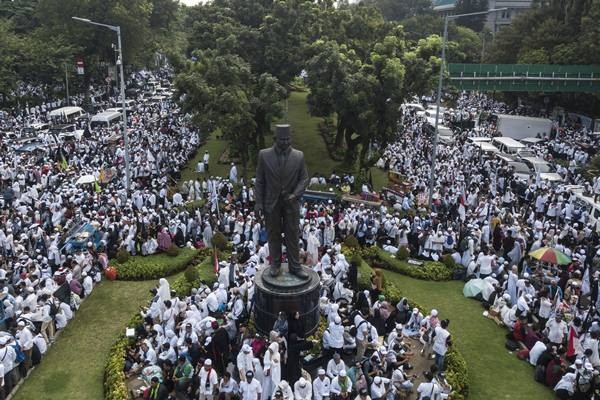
x=66 y=114
x=105 y=119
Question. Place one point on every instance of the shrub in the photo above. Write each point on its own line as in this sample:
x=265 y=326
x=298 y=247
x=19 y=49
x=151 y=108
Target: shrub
x=122 y=256
x=457 y=374
x=351 y=241
x=449 y=262
x=115 y=387
x=219 y=241
x=173 y=251
x=316 y=337
x=156 y=266
x=402 y=254
x=202 y=271
x=191 y=273
x=429 y=271
x=356 y=259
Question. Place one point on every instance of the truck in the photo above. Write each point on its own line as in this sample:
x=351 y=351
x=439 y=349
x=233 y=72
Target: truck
x=520 y=127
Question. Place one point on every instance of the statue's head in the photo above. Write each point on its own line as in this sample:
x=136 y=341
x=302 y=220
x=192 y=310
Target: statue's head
x=283 y=137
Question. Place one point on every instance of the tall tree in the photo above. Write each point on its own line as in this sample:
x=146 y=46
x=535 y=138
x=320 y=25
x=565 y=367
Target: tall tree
x=475 y=22
x=398 y=10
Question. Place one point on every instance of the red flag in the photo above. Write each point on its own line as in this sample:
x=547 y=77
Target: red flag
x=215 y=261
x=573 y=345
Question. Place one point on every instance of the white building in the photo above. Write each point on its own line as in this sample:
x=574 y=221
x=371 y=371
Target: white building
x=494 y=21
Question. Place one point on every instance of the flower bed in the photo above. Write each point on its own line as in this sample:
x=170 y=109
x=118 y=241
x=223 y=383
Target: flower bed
x=159 y=265
x=429 y=271
x=115 y=387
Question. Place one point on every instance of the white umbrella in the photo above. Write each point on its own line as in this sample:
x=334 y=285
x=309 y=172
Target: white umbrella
x=86 y=179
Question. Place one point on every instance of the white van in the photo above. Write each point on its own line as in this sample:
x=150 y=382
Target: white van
x=508 y=145
x=105 y=119
x=487 y=147
x=592 y=208
x=66 y=114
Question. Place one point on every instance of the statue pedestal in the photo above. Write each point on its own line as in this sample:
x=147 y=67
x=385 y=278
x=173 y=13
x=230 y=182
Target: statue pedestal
x=289 y=294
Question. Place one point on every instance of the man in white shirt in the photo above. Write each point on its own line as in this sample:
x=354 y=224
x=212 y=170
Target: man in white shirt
x=7 y=361
x=440 y=343
x=321 y=386
x=557 y=330
x=148 y=355
x=428 y=389
x=335 y=366
x=302 y=389
x=341 y=385
x=250 y=389
x=25 y=339
x=208 y=381
x=378 y=389
x=536 y=351
x=333 y=337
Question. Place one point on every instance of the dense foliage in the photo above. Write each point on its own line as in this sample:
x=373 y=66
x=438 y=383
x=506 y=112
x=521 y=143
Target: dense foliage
x=115 y=387
x=358 y=66
x=553 y=32
x=430 y=270
x=157 y=266
x=39 y=40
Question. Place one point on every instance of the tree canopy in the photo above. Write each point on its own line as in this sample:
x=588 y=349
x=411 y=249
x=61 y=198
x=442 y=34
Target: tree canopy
x=358 y=63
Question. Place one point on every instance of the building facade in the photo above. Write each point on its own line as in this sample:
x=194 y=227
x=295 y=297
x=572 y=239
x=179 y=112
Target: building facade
x=494 y=21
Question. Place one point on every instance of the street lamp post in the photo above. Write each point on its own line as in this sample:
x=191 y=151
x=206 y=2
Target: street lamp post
x=117 y=29
x=439 y=94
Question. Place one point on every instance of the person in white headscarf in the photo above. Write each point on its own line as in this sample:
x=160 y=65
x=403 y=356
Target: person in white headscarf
x=312 y=248
x=164 y=290
x=272 y=368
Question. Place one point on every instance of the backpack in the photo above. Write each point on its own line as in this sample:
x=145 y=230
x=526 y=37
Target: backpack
x=53 y=309
x=511 y=345
x=449 y=240
x=464 y=244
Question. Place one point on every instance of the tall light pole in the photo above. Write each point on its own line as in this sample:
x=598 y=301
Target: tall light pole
x=67 y=85
x=439 y=94
x=117 y=29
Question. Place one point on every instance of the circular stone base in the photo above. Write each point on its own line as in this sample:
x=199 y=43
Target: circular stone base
x=289 y=294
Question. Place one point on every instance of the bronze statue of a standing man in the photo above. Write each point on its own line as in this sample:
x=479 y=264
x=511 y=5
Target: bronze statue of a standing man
x=281 y=179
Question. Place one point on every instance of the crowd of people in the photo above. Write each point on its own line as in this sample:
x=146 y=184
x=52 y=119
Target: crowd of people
x=484 y=216
x=488 y=219
x=44 y=272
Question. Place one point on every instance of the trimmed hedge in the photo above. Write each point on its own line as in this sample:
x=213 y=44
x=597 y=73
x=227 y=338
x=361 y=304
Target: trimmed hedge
x=456 y=366
x=429 y=271
x=203 y=272
x=158 y=265
x=115 y=387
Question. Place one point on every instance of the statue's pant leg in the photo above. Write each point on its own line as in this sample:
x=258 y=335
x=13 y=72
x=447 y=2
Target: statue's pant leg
x=291 y=220
x=273 y=224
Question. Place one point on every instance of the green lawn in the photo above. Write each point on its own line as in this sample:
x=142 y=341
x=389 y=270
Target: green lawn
x=306 y=137
x=73 y=368
x=215 y=148
x=493 y=372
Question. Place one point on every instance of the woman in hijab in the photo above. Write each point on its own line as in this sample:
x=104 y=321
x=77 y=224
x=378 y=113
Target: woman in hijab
x=164 y=290
x=272 y=368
